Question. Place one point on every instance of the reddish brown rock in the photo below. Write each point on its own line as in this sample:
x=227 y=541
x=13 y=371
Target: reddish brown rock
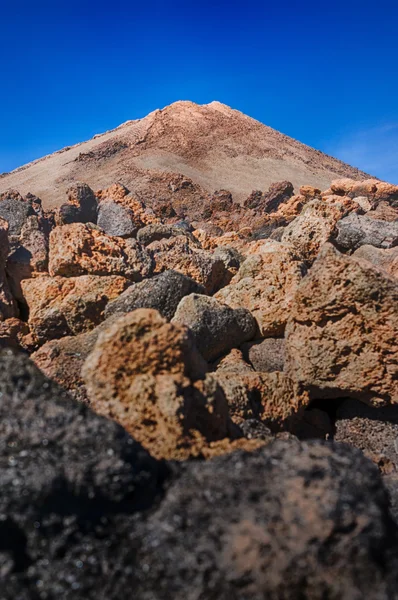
x=341 y=339
x=233 y=362
x=148 y=375
x=387 y=260
x=266 y=284
x=60 y=306
x=83 y=249
x=14 y=334
x=7 y=305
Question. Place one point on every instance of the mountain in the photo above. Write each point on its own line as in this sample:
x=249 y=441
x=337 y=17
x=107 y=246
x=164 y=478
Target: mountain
x=209 y=147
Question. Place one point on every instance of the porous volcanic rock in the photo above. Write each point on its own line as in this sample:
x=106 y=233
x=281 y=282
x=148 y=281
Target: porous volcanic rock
x=162 y=292
x=60 y=306
x=72 y=484
x=116 y=220
x=341 y=339
x=233 y=362
x=15 y=210
x=182 y=255
x=387 y=260
x=120 y=195
x=265 y=355
x=80 y=207
x=357 y=230
x=158 y=231
x=266 y=284
x=292 y=520
x=8 y=308
x=313 y=227
x=83 y=249
x=216 y=327
x=148 y=375
x=13 y=333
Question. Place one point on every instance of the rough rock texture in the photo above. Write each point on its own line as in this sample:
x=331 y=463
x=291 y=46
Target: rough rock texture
x=120 y=195
x=71 y=483
x=387 y=260
x=13 y=333
x=215 y=326
x=81 y=249
x=341 y=339
x=162 y=292
x=158 y=231
x=29 y=255
x=7 y=305
x=180 y=254
x=266 y=355
x=315 y=226
x=289 y=521
x=372 y=430
x=148 y=375
x=265 y=284
x=357 y=230
x=233 y=362
x=81 y=206
x=61 y=306
x=15 y=211
x=116 y=219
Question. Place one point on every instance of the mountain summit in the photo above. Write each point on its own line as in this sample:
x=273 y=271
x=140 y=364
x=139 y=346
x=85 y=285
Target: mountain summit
x=212 y=145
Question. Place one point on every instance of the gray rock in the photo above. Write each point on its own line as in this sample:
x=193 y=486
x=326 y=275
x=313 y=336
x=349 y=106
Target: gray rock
x=116 y=219
x=265 y=355
x=162 y=292
x=15 y=212
x=157 y=231
x=71 y=484
x=231 y=258
x=357 y=230
x=292 y=520
x=217 y=328
x=81 y=206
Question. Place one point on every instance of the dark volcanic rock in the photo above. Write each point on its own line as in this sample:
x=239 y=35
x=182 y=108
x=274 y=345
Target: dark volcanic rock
x=266 y=355
x=162 y=292
x=81 y=206
x=357 y=230
x=15 y=212
x=216 y=327
x=288 y=521
x=116 y=219
x=277 y=194
x=157 y=231
x=71 y=483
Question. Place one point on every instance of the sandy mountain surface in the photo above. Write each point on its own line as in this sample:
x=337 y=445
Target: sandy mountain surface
x=204 y=148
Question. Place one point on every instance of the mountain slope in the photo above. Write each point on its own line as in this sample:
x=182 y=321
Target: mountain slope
x=213 y=145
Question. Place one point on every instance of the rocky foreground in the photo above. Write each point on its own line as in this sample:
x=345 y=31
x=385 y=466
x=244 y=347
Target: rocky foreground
x=199 y=401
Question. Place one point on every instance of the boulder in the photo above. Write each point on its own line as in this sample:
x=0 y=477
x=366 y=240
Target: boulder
x=148 y=375
x=265 y=285
x=162 y=292
x=266 y=355
x=116 y=220
x=8 y=308
x=83 y=249
x=358 y=230
x=387 y=260
x=13 y=334
x=120 y=195
x=72 y=487
x=341 y=339
x=233 y=362
x=60 y=306
x=277 y=194
x=291 y=520
x=313 y=227
x=157 y=231
x=80 y=207
x=216 y=327
x=15 y=210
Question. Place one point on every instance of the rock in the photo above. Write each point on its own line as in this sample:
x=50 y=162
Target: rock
x=216 y=327
x=179 y=254
x=265 y=355
x=265 y=284
x=15 y=211
x=29 y=255
x=81 y=206
x=382 y=259
x=116 y=220
x=254 y=200
x=233 y=362
x=148 y=375
x=372 y=430
x=60 y=306
x=309 y=192
x=7 y=306
x=73 y=485
x=13 y=333
x=162 y=292
x=315 y=226
x=313 y=423
x=158 y=231
x=357 y=230
x=384 y=212
x=341 y=339
x=277 y=194
x=119 y=194
x=270 y=397
x=291 y=520
x=81 y=249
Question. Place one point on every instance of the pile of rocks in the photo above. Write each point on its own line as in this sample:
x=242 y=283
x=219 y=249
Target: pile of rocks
x=259 y=351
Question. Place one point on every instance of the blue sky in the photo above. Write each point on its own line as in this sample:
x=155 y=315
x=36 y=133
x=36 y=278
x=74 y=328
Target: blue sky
x=324 y=73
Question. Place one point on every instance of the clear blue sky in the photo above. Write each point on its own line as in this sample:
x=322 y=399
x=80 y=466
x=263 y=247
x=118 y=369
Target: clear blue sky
x=325 y=73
